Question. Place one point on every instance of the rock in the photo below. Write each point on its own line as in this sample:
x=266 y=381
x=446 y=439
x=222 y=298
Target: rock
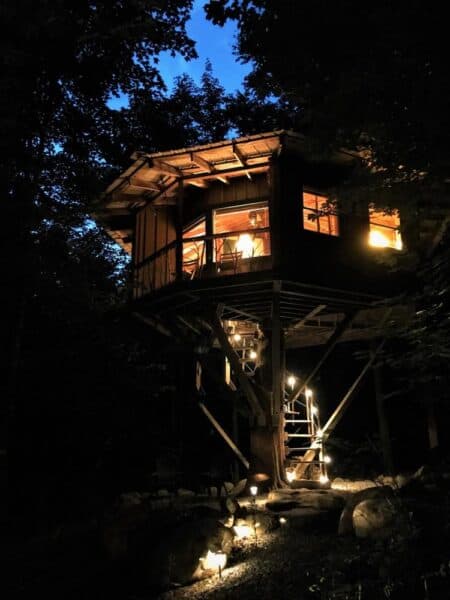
x=212 y=491
x=346 y=520
x=228 y=486
x=374 y=518
x=184 y=492
x=352 y=485
x=328 y=500
x=230 y=505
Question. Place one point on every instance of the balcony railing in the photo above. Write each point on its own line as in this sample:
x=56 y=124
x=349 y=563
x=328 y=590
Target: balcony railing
x=230 y=253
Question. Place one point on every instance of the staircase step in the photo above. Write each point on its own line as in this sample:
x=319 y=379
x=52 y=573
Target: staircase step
x=298 y=421
x=297 y=435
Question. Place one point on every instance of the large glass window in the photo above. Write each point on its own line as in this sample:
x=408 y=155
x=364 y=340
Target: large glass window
x=193 y=248
x=318 y=216
x=245 y=232
x=384 y=229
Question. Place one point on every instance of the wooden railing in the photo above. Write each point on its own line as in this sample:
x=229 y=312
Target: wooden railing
x=160 y=269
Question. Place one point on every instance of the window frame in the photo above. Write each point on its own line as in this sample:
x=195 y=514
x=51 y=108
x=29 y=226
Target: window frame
x=320 y=213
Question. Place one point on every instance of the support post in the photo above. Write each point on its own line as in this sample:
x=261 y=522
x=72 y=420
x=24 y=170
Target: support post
x=179 y=232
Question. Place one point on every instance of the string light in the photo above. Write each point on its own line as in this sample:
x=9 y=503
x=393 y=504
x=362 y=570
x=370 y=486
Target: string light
x=253 y=490
x=327 y=459
x=237 y=337
x=291 y=381
x=253 y=355
x=308 y=393
x=290 y=476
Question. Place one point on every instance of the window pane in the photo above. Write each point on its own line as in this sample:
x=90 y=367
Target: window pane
x=254 y=216
x=324 y=221
x=384 y=229
x=197 y=230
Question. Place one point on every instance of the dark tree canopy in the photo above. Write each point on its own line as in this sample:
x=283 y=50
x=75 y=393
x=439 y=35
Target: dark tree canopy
x=361 y=74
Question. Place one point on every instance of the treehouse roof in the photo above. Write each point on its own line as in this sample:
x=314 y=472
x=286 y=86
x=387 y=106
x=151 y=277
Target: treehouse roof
x=156 y=177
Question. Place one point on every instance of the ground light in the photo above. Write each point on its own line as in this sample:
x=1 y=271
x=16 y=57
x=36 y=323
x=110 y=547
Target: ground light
x=253 y=490
x=214 y=561
x=327 y=459
x=323 y=479
x=253 y=355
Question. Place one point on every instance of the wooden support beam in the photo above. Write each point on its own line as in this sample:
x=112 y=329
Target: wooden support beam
x=338 y=332
x=162 y=167
x=239 y=156
x=338 y=413
x=258 y=168
x=242 y=378
x=224 y=435
x=201 y=183
x=315 y=311
x=201 y=162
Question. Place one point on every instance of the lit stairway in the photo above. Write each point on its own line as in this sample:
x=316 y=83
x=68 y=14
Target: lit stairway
x=305 y=457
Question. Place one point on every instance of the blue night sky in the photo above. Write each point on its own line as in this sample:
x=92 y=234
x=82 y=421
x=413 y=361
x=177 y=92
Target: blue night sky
x=213 y=43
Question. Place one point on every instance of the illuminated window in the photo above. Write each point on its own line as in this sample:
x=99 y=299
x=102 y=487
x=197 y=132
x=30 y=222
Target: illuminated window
x=317 y=215
x=384 y=229
x=193 y=248
x=245 y=232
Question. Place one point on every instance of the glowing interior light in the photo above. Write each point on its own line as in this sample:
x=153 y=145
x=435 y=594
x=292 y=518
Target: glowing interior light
x=314 y=410
x=291 y=380
x=377 y=239
x=282 y=520
x=253 y=490
x=308 y=393
x=242 y=531
x=323 y=479
x=327 y=459
x=253 y=355
x=245 y=245
x=214 y=561
x=290 y=476
x=398 y=241
x=237 y=337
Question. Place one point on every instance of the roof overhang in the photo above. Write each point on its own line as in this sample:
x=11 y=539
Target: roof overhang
x=158 y=176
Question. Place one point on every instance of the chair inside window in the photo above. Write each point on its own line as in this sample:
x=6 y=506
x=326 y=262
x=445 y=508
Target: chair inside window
x=230 y=261
x=190 y=268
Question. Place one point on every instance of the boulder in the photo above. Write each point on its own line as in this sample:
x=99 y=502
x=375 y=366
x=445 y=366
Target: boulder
x=350 y=485
x=374 y=518
x=239 y=488
x=374 y=493
x=184 y=492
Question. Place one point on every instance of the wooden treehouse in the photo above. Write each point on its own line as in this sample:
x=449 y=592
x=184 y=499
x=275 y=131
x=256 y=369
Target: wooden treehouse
x=245 y=243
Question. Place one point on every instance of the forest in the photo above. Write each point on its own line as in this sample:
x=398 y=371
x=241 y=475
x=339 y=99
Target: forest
x=90 y=394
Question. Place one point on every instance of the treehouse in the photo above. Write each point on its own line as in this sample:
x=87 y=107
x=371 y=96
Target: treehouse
x=251 y=244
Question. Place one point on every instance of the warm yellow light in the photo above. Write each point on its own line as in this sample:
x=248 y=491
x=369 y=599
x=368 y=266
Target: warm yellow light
x=214 y=561
x=377 y=239
x=253 y=355
x=323 y=479
x=282 y=520
x=327 y=459
x=253 y=490
x=242 y=531
x=290 y=476
x=245 y=245
x=291 y=380
x=314 y=410
x=319 y=433
x=308 y=393
x=237 y=337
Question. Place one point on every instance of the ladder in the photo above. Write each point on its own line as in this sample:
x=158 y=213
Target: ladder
x=303 y=434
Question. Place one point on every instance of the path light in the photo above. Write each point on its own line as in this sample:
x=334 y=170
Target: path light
x=214 y=561
x=323 y=479
x=291 y=381
x=253 y=355
x=282 y=520
x=253 y=490
x=327 y=459
x=242 y=531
